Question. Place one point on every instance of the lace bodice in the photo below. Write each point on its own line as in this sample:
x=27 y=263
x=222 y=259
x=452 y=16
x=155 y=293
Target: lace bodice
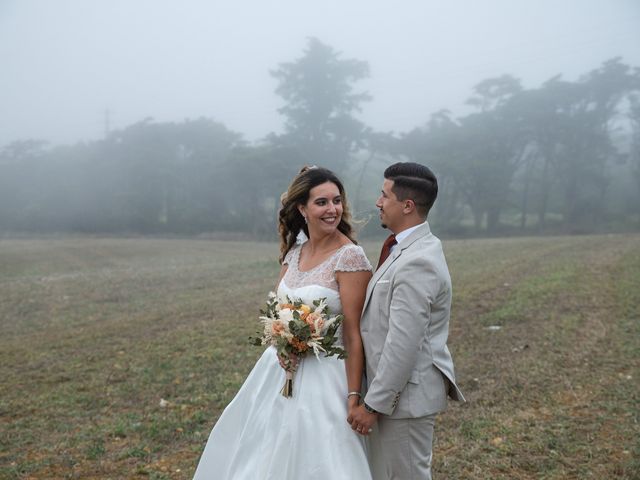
x=321 y=281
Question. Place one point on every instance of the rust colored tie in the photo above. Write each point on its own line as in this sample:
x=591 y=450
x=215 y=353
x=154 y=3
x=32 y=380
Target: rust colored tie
x=386 y=249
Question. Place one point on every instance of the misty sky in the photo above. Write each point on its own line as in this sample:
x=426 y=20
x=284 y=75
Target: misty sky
x=64 y=62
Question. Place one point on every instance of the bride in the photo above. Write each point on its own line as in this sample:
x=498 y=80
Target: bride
x=264 y=435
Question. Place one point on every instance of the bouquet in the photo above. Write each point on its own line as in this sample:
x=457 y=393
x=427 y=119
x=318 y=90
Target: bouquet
x=295 y=329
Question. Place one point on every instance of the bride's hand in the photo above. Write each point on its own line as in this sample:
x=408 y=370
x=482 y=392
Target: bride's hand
x=289 y=363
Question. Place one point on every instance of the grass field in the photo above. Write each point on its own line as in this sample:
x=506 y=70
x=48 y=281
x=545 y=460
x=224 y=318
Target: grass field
x=94 y=333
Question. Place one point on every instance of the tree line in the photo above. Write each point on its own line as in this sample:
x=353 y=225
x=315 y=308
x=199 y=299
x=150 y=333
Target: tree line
x=562 y=157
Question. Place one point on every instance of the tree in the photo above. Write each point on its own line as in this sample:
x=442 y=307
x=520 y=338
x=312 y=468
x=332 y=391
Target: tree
x=319 y=105
x=493 y=93
x=168 y=172
x=569 y=154
x=251 y=182
x=586 y=152
x=437 y=145
x=21 y=183
x=494 y=146
x=634 y=151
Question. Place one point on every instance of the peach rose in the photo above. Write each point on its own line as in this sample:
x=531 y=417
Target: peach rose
x=311 y=319
x=277 y=328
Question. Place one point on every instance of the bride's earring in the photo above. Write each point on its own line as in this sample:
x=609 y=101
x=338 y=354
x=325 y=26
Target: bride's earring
x=305 y=219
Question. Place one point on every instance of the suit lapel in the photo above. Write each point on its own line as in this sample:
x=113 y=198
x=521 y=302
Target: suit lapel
x=419 y=232
x=376 y=276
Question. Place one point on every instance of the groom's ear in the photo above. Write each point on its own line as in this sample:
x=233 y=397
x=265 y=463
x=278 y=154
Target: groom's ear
x=409 y=206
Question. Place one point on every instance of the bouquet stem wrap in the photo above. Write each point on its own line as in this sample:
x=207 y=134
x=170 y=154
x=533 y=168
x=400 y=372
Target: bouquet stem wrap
x=287 y=390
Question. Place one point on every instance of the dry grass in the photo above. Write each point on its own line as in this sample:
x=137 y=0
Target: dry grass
x=95 y=332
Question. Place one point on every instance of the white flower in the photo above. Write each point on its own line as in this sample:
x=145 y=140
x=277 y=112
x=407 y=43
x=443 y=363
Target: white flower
x=317 y=348
x=321 y=306
x=286 y=315
x=329 y=322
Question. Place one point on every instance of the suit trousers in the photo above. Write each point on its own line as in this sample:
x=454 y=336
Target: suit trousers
x=406 y=444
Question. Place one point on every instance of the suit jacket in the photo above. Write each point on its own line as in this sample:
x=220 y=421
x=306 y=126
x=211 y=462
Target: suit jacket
x=404 y=326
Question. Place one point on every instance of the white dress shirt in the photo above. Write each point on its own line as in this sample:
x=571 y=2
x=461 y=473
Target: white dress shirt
x=404 y=234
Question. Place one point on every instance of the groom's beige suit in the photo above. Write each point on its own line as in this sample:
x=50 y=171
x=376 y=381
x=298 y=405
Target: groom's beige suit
x=404 y=326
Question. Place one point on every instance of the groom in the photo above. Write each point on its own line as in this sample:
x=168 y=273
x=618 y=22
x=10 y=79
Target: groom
x=404 y=325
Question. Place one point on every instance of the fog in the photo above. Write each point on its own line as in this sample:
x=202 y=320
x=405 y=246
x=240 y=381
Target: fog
x=191 y=117
x=72 y=69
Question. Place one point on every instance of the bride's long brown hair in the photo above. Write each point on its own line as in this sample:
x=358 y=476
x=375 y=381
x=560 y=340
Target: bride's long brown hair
x=291 y=221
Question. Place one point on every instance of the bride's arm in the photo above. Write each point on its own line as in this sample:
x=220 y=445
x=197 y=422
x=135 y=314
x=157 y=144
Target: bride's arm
x=353 y=286
x=283 y=270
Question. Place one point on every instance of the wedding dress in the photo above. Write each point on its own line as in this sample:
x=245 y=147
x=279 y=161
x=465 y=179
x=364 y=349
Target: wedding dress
x=264 y=435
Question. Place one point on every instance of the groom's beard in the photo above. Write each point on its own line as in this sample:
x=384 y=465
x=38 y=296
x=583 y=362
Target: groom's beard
x=382 y=224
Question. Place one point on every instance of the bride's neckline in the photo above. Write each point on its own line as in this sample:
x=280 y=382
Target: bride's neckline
x=322 y=262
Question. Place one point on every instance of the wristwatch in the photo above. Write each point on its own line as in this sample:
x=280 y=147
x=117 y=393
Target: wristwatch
x=369 y=409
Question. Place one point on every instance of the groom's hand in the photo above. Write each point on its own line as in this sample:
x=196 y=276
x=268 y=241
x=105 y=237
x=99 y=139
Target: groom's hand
x=361 y=420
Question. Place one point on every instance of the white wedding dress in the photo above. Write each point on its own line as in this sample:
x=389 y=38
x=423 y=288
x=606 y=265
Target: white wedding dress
x=263 y=435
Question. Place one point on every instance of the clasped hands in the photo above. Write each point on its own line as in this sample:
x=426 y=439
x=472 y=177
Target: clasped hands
x=359 y=418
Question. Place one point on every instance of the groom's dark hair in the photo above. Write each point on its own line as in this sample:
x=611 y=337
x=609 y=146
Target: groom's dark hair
x=413 y=181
